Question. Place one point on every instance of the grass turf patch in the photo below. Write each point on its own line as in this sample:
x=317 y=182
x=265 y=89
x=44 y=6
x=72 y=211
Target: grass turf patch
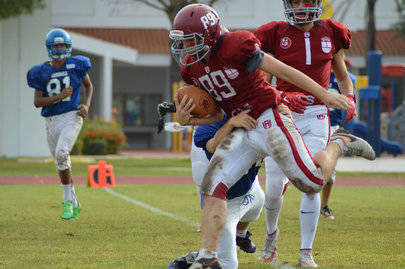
x=112 y=232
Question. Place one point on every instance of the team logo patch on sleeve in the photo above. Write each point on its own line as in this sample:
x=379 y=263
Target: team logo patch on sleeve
x=326 y=44
x=285 y=42
x=232 y=73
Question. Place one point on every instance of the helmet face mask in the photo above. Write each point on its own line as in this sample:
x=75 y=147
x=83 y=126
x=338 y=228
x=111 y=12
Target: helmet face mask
x=310 y=13
x=183 y=45
x=58 y=36
x=196 y=29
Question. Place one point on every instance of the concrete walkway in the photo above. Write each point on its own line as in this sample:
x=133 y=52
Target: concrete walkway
x=383 y=164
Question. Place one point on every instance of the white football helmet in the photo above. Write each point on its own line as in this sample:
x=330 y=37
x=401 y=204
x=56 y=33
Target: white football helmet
x=310 y=13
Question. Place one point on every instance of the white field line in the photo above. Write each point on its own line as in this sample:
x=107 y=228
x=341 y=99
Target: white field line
x=153 y=209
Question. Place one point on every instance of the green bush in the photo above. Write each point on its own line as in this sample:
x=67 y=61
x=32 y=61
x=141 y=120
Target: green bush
x=96 y=146
x=95 y=130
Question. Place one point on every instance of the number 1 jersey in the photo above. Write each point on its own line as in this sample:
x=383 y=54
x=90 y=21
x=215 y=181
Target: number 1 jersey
x=51 y=81
x=310 y=52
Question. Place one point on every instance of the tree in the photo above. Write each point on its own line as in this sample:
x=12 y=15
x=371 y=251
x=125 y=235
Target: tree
x=400 y=26
x=371 y=25
x=170 y=8
x=13 y=8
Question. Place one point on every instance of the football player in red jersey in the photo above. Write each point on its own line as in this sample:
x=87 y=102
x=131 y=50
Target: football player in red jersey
x=312 y=46
x=230 y=65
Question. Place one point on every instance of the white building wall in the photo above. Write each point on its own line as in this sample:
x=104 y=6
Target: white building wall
x=22 y=46
x=236 y=13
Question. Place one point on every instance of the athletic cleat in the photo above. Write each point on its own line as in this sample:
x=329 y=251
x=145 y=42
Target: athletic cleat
x=354 y=145
x=327 y=213
x=76 y=211
x=245 y=243
x=206 y=263
x=67 y=210
x=269 y=254
x=306 y=259
x=183 y=262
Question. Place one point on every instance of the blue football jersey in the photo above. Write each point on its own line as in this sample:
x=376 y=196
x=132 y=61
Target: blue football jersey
x=338 y=116
x=204 y=133
x=51 y=81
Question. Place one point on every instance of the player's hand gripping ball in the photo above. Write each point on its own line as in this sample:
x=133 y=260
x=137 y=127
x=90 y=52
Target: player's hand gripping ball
x=205 y=106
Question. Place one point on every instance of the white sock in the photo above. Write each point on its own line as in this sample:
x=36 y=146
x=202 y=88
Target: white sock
x=241 y=233
x=272 y=212
x=204 y=253
x=75 y=203
x=67 y=192
x=339 y=141
x=309 y=215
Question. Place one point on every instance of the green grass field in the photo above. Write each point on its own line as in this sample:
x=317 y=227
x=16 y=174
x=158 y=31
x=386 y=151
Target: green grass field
x=119 y=232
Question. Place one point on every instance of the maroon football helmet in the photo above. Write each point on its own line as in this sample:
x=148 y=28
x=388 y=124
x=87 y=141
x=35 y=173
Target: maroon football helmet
x=196 y=29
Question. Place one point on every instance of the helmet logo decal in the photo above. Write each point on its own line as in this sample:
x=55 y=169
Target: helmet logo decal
x=208 y=20
x=285 y=43
x=58 y=40
x=196 y=28
x=326 y=44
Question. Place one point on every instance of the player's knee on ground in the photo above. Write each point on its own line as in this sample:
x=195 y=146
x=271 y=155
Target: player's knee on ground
x=229 y=263
x=227 y=252
x=62 y=159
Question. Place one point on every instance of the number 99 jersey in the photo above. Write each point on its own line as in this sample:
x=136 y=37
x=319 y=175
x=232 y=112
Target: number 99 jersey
x=51 y=81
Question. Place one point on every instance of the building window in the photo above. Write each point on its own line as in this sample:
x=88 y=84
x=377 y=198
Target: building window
x=136 y=109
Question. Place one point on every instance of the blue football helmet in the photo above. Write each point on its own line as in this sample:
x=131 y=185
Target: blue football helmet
x=58 y=36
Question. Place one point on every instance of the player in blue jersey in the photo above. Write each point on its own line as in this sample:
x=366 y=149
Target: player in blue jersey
x=245 y=198
x=337 y=118
x=57 y=85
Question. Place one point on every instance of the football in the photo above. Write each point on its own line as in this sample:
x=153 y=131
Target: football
x=205 y=106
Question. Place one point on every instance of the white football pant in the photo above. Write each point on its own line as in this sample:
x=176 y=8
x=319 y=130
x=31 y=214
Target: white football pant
x=246 y=208
x=62 y=131
x=275 y=136
x=314 y=126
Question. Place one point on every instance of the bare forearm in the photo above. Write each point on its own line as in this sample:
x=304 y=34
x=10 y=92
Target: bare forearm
x=346 y=86
x=207 y=121
x=289 y=74
x=45 y=101
x=88 y=95
x=218 y=137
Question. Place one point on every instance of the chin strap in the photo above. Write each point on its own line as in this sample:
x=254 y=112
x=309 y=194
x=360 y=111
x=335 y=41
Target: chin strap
x=162 y=110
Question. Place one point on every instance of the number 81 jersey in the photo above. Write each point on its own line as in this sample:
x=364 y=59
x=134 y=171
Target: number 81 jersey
x=51 y=81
